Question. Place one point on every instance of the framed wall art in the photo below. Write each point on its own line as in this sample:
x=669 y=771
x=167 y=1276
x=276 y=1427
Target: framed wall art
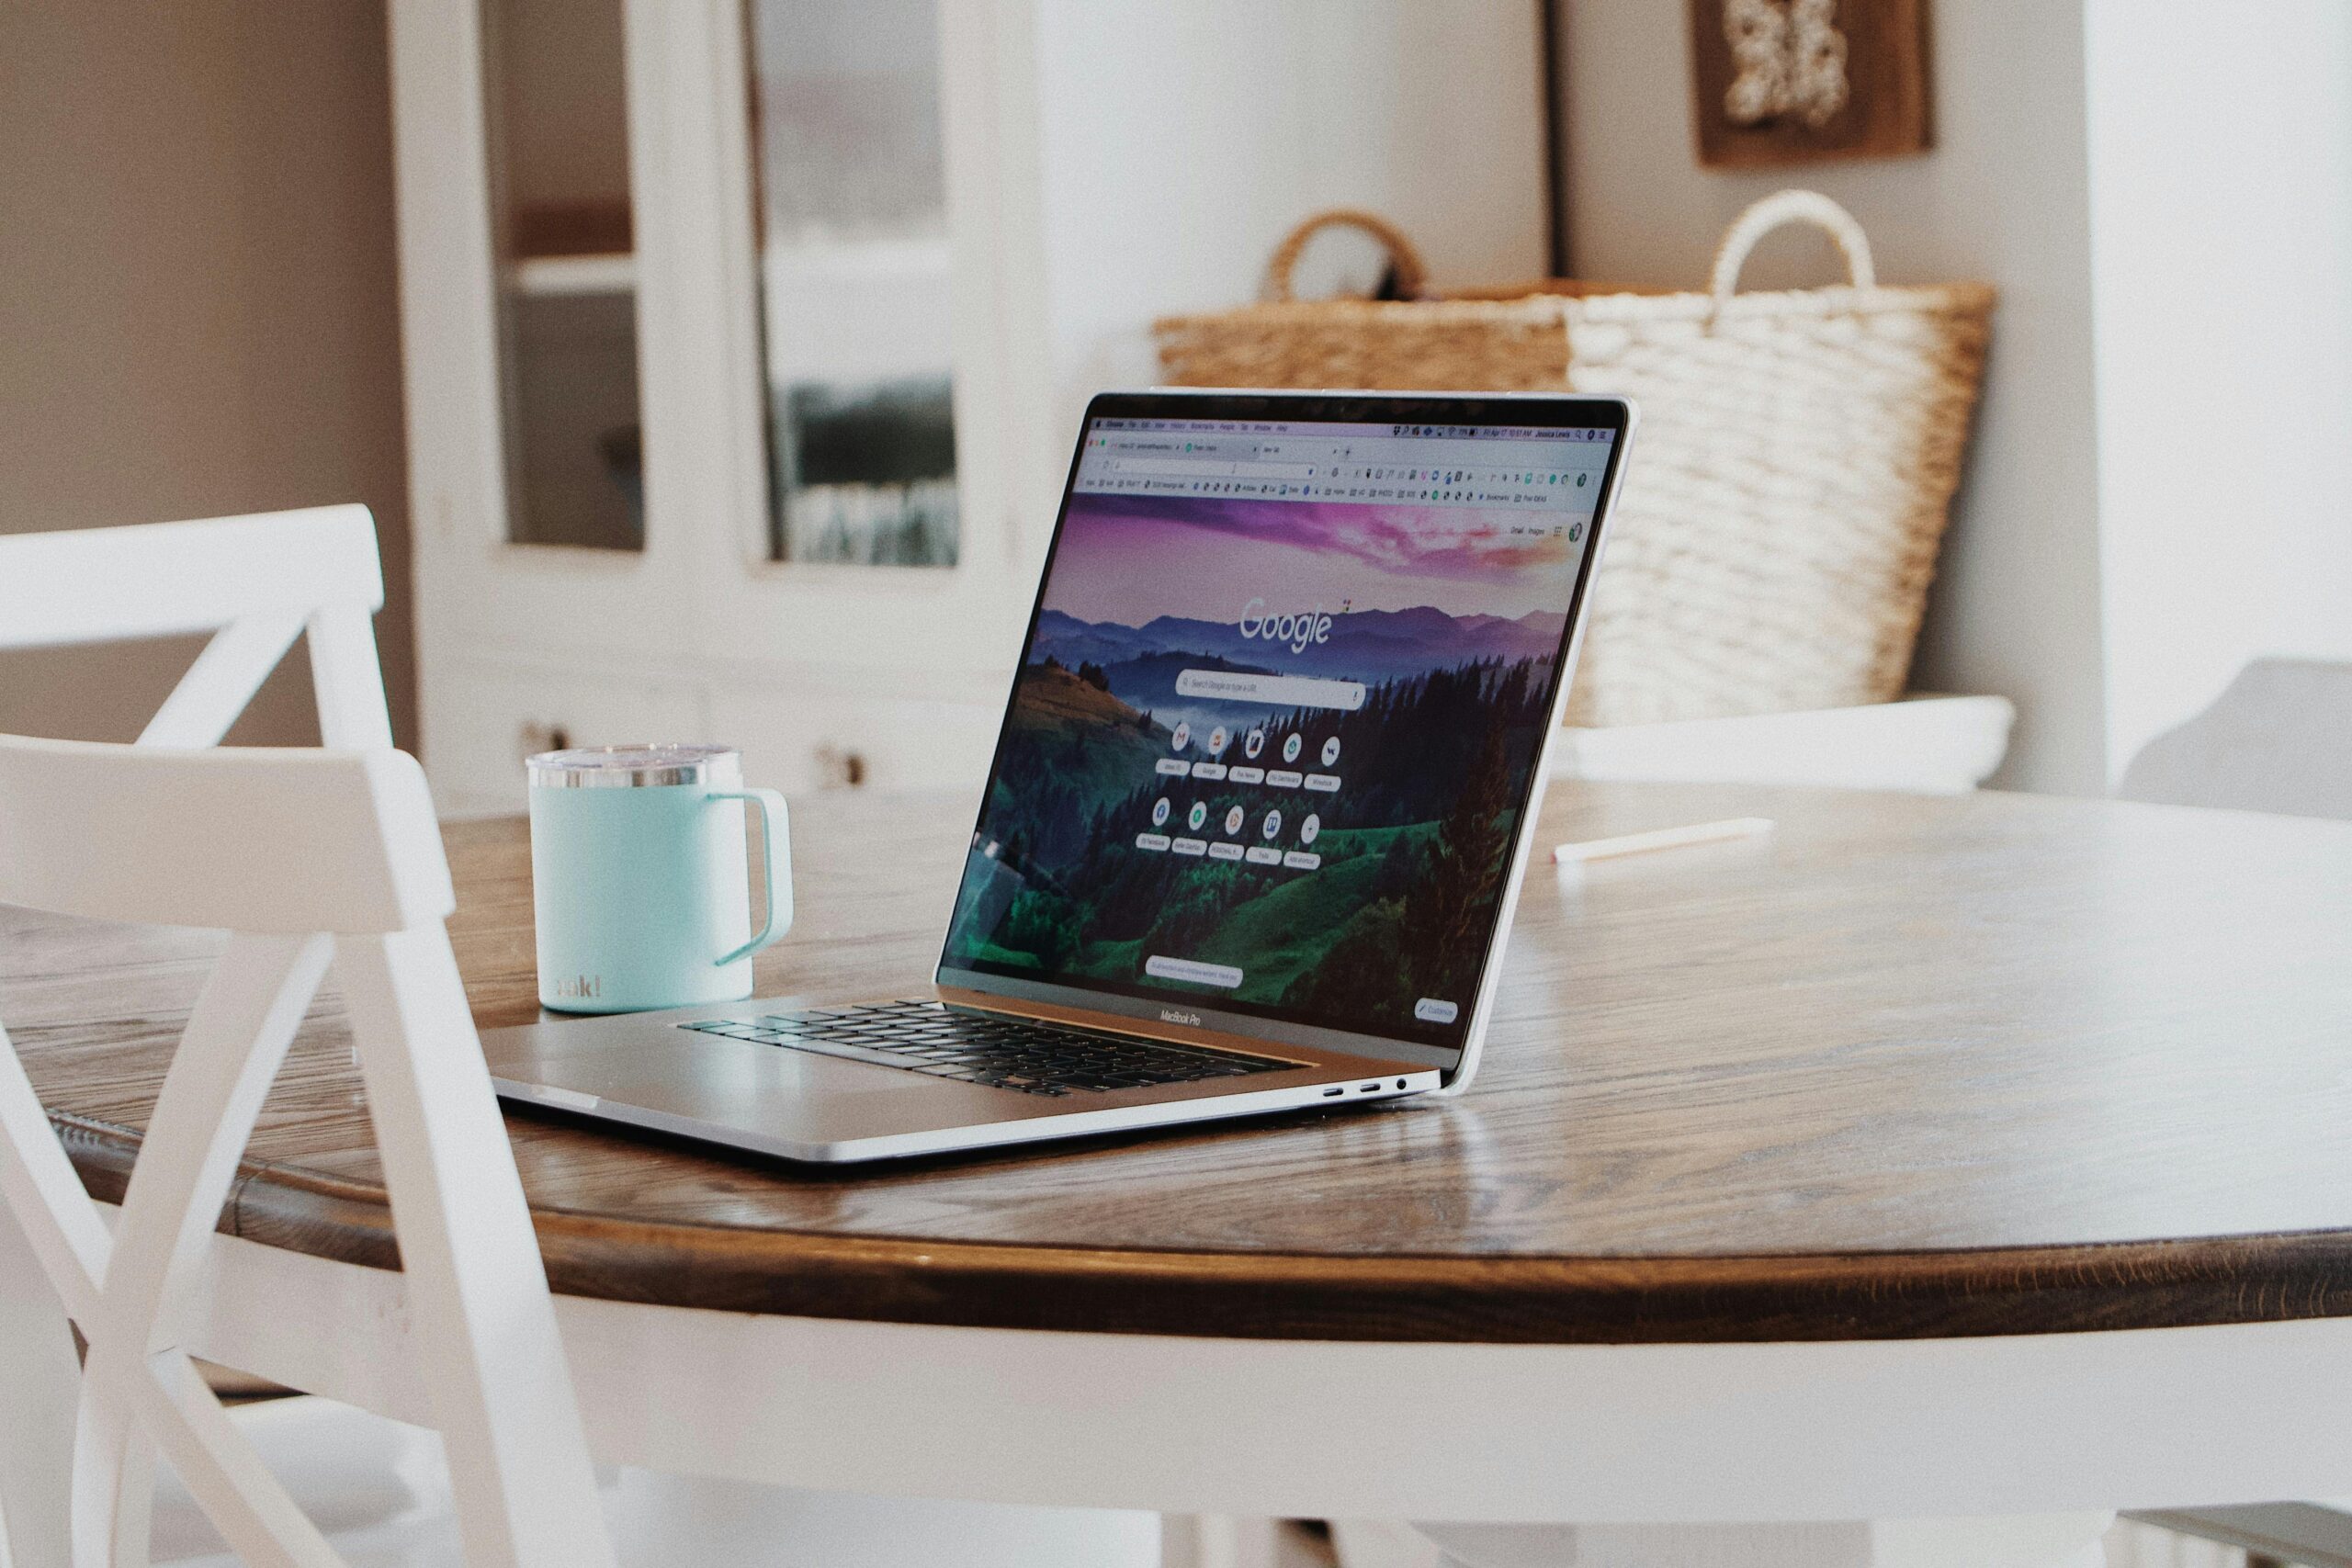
x=1805 y=81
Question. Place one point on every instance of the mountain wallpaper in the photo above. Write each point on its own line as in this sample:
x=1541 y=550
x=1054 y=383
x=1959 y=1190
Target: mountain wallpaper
x=1375 y=876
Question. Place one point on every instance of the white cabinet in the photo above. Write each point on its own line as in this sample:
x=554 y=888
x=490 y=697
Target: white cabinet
x=746 y=339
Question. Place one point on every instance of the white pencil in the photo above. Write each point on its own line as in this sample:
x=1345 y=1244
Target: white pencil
x=1661 y=839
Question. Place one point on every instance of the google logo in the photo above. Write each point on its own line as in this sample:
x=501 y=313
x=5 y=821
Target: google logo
x=1298 y=630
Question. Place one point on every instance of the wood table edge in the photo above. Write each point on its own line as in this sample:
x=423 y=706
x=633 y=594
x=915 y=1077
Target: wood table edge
x=1601 y=1299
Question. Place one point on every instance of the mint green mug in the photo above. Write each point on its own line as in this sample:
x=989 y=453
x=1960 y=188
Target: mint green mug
x=640 y=876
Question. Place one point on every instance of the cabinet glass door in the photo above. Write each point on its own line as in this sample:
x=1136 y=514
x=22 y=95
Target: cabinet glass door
x=854 y=281
x=567 y=274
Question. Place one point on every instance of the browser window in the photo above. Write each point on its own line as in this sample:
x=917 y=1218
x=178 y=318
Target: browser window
x=1277 y=715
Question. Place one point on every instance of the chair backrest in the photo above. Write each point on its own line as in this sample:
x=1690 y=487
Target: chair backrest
x=351 y=875
x=2279 y=738
x=255 y=582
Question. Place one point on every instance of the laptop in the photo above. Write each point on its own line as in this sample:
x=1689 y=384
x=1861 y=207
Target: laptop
x=1260 y=805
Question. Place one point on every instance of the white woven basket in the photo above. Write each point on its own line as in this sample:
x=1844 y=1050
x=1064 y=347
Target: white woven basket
x=1779 y=520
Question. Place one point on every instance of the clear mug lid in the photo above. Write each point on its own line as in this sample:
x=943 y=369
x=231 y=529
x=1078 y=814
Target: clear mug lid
x=637 y=766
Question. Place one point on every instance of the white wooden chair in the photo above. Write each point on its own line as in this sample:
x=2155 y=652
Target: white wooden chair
x=173 y=837
x=255 y=582
x=2277 y=739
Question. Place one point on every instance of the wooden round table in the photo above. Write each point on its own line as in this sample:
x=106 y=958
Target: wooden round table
x=1929 y=1156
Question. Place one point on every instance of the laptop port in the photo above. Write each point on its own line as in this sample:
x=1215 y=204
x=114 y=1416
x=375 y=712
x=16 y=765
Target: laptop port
x=1330 y=1092
x=1366 y=1088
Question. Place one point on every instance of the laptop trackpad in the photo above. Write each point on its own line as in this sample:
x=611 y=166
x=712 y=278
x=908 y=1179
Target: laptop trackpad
x=693 y=1076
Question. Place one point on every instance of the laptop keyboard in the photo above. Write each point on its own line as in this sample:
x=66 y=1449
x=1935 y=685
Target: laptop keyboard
x=1002 y=1053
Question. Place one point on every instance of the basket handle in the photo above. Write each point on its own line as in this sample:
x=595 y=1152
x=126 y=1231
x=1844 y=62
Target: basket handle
x=1790 y=207
x=1412 y=272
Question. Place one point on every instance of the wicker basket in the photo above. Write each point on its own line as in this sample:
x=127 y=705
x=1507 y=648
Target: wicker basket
x=1779 y=524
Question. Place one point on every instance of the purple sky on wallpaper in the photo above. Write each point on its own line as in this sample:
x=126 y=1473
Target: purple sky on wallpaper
x=1128 y=558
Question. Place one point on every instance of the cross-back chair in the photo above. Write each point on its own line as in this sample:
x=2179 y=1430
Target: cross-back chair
x=356 y=881
x=256 y=583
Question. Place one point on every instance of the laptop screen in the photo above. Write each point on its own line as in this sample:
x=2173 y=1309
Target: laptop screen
x=1278 y=714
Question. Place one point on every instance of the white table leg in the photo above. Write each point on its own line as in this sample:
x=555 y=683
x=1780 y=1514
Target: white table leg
x=41 y=1378
x=1383 y=1544
x=2040 y=1540
x=1219 y=1541
x=696 y=1522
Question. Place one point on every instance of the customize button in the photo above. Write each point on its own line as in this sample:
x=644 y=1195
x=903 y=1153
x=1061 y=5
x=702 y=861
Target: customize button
x=1161 y=967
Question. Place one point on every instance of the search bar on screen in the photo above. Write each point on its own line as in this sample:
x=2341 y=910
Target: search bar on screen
x=1208 y=469
x=1275 y=690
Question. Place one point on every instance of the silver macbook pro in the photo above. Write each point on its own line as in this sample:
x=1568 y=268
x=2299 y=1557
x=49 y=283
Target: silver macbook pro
x=1263 y=793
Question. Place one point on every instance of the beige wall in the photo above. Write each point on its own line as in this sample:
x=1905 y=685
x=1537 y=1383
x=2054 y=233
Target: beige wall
x=196 y=305
x=2003 y=197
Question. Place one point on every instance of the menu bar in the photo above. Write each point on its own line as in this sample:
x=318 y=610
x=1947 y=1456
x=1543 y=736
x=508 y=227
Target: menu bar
x=1555 y=470
x=1318 y=427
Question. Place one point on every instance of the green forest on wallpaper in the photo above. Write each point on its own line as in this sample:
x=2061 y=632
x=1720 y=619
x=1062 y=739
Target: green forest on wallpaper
x=1413 y=847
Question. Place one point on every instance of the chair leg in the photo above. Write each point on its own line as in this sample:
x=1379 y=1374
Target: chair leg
x=476 y=1292
x=42 y=1383
x=113 y=1487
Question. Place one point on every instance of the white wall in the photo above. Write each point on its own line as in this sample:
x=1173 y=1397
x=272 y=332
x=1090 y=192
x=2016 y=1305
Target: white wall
x=1179 y=141
x=2003 y=197
x=2220 y=160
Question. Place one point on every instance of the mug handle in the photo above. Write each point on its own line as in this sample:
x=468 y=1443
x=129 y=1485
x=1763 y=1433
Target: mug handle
x=775 y=832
